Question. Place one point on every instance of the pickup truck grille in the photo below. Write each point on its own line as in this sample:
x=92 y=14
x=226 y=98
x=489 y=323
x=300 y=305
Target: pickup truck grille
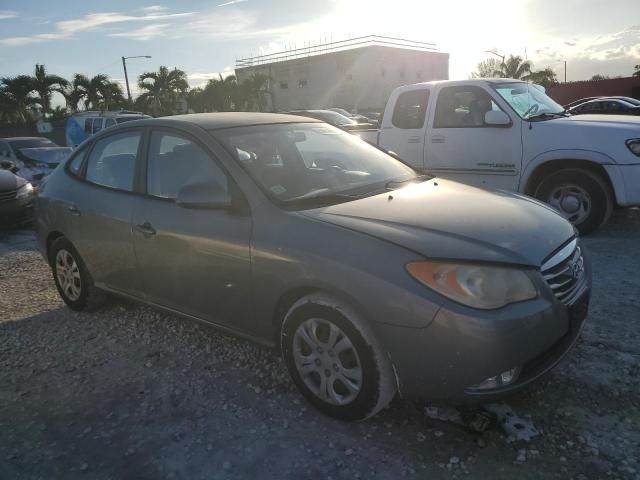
x=8 y=195
x=565 y=273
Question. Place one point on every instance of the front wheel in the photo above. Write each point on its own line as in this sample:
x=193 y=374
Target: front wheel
x=580 y=196
x=334 y=359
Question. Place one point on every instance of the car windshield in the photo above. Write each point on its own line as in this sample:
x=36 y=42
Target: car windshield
x=30 y=143
x=302 y=165
x=528 y=100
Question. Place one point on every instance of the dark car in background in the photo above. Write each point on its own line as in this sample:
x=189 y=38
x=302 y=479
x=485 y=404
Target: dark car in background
x=369 y=277
x=353 y=116
x=605 y=106
x=16 y=197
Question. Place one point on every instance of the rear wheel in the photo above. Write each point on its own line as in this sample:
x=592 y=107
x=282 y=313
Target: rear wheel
x=71 y=277
x=334 y=359
x=580 y=196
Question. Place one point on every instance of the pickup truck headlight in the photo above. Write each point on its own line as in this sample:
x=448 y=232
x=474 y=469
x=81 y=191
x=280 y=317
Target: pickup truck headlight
x=634 y=145
x=478 y=286
x=25 y=191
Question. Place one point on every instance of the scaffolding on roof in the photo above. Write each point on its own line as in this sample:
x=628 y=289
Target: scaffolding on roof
x=339 y=46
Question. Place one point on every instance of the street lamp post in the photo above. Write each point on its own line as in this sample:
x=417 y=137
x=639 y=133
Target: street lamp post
x=493 y=52
x=126 y=77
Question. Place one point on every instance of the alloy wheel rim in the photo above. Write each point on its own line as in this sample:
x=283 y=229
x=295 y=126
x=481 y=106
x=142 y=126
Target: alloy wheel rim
x=68 y=275
x=571 y=201
x=327 y=361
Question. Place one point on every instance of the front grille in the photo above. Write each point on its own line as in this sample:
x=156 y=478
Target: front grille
x=565 y=273
x=8 y=196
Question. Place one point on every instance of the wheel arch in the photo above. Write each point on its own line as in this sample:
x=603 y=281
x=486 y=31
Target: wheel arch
x=52 y=237
x=544 y=168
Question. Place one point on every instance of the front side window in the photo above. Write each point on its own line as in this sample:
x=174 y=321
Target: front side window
x=112 y=161
x=463 y=107
x=410 y=109
x=299 y=165
x=175 y=161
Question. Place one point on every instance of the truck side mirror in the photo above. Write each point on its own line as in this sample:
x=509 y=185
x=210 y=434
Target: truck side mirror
x=497 y=119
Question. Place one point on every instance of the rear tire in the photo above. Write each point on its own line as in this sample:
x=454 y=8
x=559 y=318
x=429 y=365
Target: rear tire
x=335 y=360
x=72 y=279
x=581 y=196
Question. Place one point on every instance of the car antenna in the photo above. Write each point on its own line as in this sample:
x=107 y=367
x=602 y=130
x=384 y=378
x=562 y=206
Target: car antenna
x=526 y=59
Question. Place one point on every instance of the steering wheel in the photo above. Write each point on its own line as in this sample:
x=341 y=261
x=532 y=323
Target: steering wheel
x=532 y=109
x=334 y=173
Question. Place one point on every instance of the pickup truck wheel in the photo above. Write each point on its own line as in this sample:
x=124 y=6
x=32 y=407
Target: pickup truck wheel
x=334 y=360
x=580 y=196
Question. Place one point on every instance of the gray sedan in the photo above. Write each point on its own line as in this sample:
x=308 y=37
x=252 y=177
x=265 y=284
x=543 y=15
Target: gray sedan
x=370 y=278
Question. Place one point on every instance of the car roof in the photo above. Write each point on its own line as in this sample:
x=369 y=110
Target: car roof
x=25 y=138
x=215 y=121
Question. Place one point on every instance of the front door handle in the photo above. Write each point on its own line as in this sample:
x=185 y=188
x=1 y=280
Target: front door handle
x=415 y=139
x=146 y=229
x=437 y=139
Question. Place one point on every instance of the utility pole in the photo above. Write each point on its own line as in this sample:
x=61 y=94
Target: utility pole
x=565 y=71
x=126 y=77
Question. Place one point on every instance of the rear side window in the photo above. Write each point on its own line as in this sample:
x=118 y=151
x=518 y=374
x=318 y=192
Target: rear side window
x=175 y=161
x=410 y=109
x=112 y=161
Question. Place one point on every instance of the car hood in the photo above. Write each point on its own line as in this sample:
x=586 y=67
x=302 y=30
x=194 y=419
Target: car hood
x=9 y=181
x=442 y=219
x=592 y=120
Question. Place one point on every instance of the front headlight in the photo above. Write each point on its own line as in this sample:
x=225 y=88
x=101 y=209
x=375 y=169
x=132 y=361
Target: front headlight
x=634 y=145
x=477 y=286
x=25 y=191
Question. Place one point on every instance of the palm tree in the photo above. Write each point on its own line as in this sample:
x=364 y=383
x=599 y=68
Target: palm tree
x=45 y=84
x=220 y=95
x=257 y=89
x=162 y=90
x=514 y=67
x=492 y=67
x=17 y=103
x=97 y=92
x=636 y=73
x=545 y=77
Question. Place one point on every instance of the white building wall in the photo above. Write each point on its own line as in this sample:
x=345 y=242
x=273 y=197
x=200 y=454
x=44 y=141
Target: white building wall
x=360 y=78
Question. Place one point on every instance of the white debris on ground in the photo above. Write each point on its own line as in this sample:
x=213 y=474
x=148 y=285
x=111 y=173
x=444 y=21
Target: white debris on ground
x=445 y=414
x=516 y=427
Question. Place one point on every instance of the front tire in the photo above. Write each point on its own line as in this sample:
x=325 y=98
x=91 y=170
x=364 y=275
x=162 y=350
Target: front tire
x=579 y=195
x=72 y=279
x=334 y=359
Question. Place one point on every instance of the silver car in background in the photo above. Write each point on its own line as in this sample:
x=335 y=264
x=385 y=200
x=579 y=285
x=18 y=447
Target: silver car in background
x=370 y=278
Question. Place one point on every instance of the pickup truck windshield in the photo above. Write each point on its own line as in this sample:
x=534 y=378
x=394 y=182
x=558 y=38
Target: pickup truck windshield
x=529 y=101
x=302 y=165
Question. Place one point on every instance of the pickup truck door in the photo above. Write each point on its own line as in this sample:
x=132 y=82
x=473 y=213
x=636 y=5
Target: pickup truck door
x=461 y=146
x=403 y=128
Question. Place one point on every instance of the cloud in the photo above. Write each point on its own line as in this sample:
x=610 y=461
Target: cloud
x=145 y=33
x=6 y=14
x=91 y=21
x=154 y=9
x=231 y=2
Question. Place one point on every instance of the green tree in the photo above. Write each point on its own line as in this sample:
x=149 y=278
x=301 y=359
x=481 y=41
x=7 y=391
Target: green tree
x=45 y=85
x=546 y=77
x=97 y=92
x=161 y=90
x=599 y=76
x=636 y=72
x=515 y=67
x=17 y=104
x=488 y=68
x=256 y=89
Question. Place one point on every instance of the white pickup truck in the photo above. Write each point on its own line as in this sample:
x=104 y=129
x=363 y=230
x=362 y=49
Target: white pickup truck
x=508 y=134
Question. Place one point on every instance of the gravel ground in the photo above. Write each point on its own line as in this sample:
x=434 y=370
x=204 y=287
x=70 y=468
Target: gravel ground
x=129 y=392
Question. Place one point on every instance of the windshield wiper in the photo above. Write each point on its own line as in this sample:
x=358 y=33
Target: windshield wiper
x=322 y=200
x=391 y=184
x=548 y=115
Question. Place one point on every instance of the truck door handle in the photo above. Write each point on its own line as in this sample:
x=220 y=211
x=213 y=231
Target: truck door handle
x=437 y=139
x=415 y=139
x=146 y=229
x=73 y=210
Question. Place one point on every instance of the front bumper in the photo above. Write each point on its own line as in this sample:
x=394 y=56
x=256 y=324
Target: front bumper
x=15 y=210
x=463 y=347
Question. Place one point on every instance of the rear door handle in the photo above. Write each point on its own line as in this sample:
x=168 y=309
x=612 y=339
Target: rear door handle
x=73 y=210
x=146 y=229
x=438 y=139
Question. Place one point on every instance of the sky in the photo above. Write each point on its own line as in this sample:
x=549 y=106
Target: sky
x=204 y=38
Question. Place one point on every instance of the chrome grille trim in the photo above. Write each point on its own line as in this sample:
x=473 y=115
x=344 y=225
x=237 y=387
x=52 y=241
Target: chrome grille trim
x=566 y=280
x=8 y=196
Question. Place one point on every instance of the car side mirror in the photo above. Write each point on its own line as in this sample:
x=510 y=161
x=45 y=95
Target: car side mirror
x=497 y=119
x=203 y=196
